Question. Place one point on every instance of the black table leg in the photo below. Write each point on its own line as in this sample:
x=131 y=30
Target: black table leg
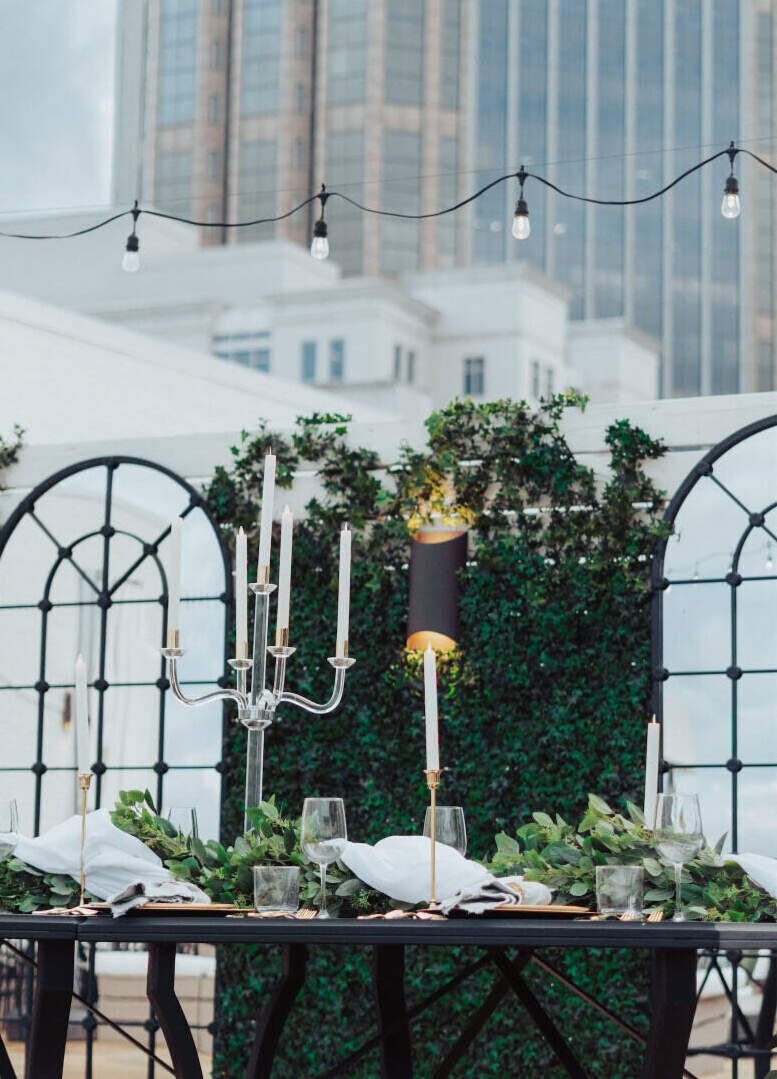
x=272 y=1020
x=550 y=1032
x=765 y=1028
x=6 y=1067
x=50 y=1009
x=673 y=1000
x=160 y=989
x=388 y=969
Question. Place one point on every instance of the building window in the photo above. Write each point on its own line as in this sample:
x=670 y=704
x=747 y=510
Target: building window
x=336 y=359
x=300 y=98
x=177 y=64
x=549 y=381
x=474 y=376
x=214 y=109
x=397 y=362
x=535 y=379
x=261 y=56
x=173 y=181
x=213 y=164
x=308 y=361
x=411 y=367
x=298 y=154
x=217 y=54
x=301 y=43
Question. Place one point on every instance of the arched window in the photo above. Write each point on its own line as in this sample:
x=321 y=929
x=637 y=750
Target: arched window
x=83 y=568
x=715 y=638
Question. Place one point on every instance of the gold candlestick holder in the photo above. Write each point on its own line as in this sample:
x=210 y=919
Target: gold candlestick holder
x=433 y=782
x=84 y=783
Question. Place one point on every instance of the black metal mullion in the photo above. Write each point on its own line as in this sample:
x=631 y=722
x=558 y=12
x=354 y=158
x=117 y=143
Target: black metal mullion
x=65 y=552
x=104 y=602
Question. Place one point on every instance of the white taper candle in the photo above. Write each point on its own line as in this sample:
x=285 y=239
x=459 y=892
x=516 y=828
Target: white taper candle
x=82 y=719
x=174 y=581
x=265 y=525
x=651 y=772
x=430 y=695
x=344 y=592
x=284 y=572
x=241 y=592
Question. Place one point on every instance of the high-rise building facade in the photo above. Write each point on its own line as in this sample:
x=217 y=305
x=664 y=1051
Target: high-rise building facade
x=411 y=104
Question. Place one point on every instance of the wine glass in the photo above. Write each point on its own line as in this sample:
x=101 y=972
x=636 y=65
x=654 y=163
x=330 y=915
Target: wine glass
x=9 y=822
x=677 y=836
x=183 y=819
x=450 y=827
x=324 y=836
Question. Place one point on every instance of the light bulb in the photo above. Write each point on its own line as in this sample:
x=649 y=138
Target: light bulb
x=319 y=249
x=130 y=263
x=521 y=226
x=731 y=206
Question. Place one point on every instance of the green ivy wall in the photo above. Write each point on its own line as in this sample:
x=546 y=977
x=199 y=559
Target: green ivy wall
x=544 y=700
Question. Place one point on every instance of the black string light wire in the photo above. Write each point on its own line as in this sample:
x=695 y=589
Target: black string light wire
x=319 y=248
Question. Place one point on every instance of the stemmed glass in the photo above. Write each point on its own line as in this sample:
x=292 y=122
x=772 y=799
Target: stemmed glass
x=678 y=837
x=450 y=827
x=183 y=819
x=324 y=836
x=9 y=822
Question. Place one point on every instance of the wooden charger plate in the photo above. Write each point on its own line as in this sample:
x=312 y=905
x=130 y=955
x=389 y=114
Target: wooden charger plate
x=178 y=908
x=550 y=910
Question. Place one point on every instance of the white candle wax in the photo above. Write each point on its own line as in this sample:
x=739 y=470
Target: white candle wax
x=284 y=572
x=82 y=719
x=174 y=581
x=344 y=590
x=651 y=773
x=430 y=694
x=241 y=589
x=265 y=526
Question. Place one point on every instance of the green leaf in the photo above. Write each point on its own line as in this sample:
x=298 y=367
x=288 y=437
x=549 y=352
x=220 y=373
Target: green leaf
x=579 y=888
x=599 y=805
x=543 y=819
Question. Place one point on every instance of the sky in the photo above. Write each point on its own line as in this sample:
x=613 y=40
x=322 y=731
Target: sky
x=56 y=81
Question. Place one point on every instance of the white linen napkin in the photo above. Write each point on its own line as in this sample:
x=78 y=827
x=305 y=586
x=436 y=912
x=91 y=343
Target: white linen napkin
x=113 y=859
x=398 y=866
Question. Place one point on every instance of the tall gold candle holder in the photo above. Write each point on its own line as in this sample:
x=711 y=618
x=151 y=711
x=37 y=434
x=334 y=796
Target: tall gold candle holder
x=433 y=782
x=84 y=783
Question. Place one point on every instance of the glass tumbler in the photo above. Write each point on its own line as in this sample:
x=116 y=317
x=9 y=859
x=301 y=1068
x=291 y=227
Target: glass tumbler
x=619 y=889
x=276 y=888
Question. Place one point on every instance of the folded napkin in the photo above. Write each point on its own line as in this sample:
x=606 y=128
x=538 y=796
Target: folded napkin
x=492 y=892
x=113 y=859
x=142 y=892
x=398 y=866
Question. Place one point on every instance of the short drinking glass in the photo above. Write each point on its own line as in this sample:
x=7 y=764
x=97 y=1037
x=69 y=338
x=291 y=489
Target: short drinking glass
x=619 y=889
x=183 y=819
x=276 y=888
x=323 y=836
x=678 y=836
x=450 y=827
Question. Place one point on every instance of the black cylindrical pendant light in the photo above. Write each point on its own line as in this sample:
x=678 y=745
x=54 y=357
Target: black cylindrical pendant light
x=433 y=608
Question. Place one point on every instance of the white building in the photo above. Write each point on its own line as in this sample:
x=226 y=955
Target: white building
x=404 y=345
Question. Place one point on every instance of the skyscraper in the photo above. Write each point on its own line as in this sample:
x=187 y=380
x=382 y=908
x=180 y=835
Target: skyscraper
x=412 y=104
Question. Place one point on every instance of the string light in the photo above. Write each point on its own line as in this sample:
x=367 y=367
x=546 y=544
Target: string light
x=130 y=263
x=319 y=248
x=521 y=224
x=731 y=206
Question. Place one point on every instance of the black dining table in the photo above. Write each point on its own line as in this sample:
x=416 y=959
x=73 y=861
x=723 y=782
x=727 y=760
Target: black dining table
x=506 y=944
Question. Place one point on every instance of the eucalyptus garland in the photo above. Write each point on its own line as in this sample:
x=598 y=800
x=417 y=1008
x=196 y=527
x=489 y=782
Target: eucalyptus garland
x=546 y=849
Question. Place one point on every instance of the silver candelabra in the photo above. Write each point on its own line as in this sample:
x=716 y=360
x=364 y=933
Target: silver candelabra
x=256 y=707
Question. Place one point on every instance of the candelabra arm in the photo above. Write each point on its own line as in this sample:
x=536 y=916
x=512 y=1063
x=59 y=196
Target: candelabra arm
x=217 y=695
x=341 y=666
